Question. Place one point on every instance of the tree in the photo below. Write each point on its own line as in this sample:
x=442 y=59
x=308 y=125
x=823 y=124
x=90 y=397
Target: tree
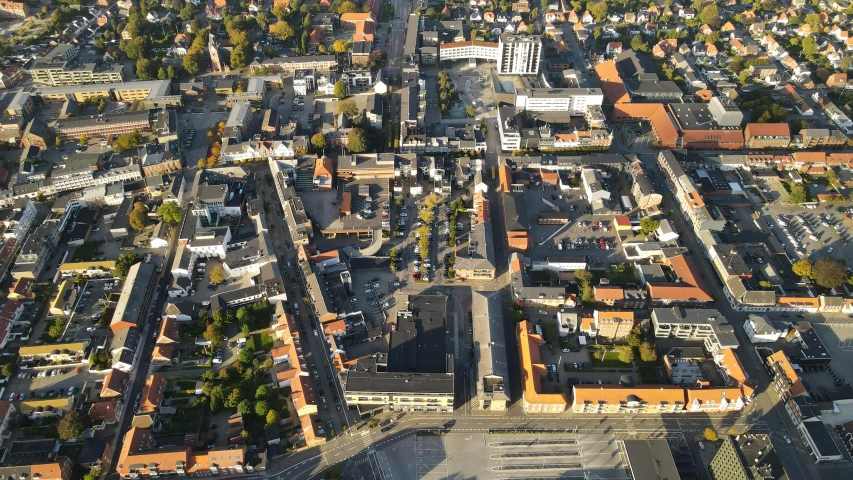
x=171 y=212
x=598 y=10
x=341 y=89
x=234 y=398
x=218 y=275
x=282 y=30
x=347 y=7
x=710 y=434
x=84 y=140
x=127 y=140
x=8 y=369
x=124 y=262
x=470 y=111
x=219 y=316
x=341 y=46
x=802 y=268
x=797 y=194
x=262 y=407
x=377 y=59
x=214 y=334
x=194 y=61
x=72 y=425
x=710 y=15
x=262 y=20
x=318 y=141
x=245 y=408
x=245 y=356
x=634 y=337
x=626 y=355
x=649 y=225
x=765 y=285
x=138 y=216
x=357 y=140
x=262 y=393
x=809 y=46
x=348 y=108
x=638 y=45
x=146 y=69
x=273 y=418
x=648 y=352
x=217 y=398
x=240 y=56
x=583 y=276
x=829 y=273
x=207 y=376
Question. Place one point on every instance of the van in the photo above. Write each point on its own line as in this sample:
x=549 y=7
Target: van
x=813 y=238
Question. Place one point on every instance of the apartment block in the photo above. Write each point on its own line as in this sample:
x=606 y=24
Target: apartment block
x=288 y=65
x=699 y=324
x=628 y=400
x=613 y=326
x=102 y=125
x=519 y=55
x=533 y=398
x=767 y=135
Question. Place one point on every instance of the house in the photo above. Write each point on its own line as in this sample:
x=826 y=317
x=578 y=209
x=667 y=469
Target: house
x=614 y=48
x=115 y=384
x=665 y=47
x=687 y=13
x=837 y=80
x=705 y=29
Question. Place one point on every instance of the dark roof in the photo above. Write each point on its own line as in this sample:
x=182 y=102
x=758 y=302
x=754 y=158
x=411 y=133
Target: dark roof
x=822 y=439
x=419 y=343
x=651 y=459
x=515 y=211
x=93 y=450
x=422 y=383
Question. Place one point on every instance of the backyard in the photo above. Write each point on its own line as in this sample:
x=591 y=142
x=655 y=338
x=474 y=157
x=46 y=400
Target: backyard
x=260 y=342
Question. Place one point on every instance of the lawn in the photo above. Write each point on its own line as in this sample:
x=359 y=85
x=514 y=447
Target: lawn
x=85 y=252
x=622 y=275
x=260 y=342
x=48 y=431
x=611 y=359
x=186 y=385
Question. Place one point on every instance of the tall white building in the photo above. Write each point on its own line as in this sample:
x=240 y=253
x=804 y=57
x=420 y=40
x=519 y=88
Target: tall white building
x=519 y=55
x=571 y=100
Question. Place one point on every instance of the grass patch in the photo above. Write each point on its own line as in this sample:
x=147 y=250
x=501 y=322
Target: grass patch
x=186 y=385
x=260 y=342
x=85 y=252
x=48 y=431
x=622 y=275
x=610 y=360
x=648 y=374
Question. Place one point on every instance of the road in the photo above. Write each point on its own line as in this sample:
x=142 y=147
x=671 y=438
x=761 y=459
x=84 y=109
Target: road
x=308 y=463
x=156 y=304
x=765 y=406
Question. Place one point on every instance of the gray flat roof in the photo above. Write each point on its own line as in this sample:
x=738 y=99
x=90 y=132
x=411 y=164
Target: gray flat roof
x=133 y=293
x=651 y=459
x=395 y=382
x=489 y=346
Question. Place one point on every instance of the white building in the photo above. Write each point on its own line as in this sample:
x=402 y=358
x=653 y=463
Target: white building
x=210 y=242
x=593 y=185
x=519 y=55
x=508 y=129
x=471 y=51
x=759 y=329
x=571 y=100
x=665 y=233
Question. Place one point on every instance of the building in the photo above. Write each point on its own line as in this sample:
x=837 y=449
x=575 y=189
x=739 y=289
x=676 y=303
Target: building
x=56 y=352
x=490 y=353
x=59 y=67
x=399 y=391
x=695 y=324
x=160 y=163
x=533 y=397
x=760 y=329
x=767 y=135
x=288 y=65
x=59 y=469
x=688 y=288
x=137 y=289
x=519 y=55
x=650 y=459
x=103 y=126
x=746 y=457
x=656 y=399
x=10 y=9
x=613 y=326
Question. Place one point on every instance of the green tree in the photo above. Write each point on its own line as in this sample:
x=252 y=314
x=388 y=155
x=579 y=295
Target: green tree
x=357 y=140
x=262 y=393
x=240 y=56
x=649 y=225
x=626 y=354
x=127 y=140
x=8 y=370
x=598 y=10
x=170 y=212
x=245 y=356
x=638 y=45
x=635 y=337
x=84 y=140
x=138 y=217
x=282 y=30
x=124 y=262
x=273 y=418
x=377 y=59
x=218 y=275
x=798 y=194
x=262 y=407
x=710 y=15
x=470 y=111
x=802 y=268
x=72 y=425
x=318 y=141
x=245 y=408
x=347 y=7
x=234 y=398
x=194 y=61
x=829 y=273
x=341 y=89
x=217 y=398
x=765 y=285
x=648 y=352
x=207 y=376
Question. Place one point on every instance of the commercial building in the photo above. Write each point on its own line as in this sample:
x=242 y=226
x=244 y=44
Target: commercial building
x=650 y=459
x=288 y=65
x=399 y=391
x=534 y=398
x=767 y=135
x=748 y=456
x=477 y=261
x=106 y=125
x=135 y=293
x=519 y=55
x=627 y=400
x=470 y=50
x=695 y=324
x=490 y=353
x=574 y=101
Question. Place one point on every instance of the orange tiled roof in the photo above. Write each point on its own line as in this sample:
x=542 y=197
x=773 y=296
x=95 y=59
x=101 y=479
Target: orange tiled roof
x=735 y=371
x=769 y=129
x=615 y=315
x=616 y=394
x=114 y=384
x=611 y=83
x=804 y=302
x=608 y=293
x=60 y=469
x=532 y=368
x=716 y=394
x=622 y=221
x=504 y=178
x=356 y=17
x=690 y=287
x=169 y=331
x=779 y=358
x=106 y=411
x=152 y=394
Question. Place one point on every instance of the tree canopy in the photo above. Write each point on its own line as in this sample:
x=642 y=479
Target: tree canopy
x=357 y=140
x=829 y=273
x=218 y=275
x=318 y=141
x=72 y=425
x=124 y=262
x=138 y=217
x=171 y=212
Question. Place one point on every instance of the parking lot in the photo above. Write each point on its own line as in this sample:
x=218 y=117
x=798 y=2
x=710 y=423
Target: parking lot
x=374 y=293
x=83 y=323
x=811 y=233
